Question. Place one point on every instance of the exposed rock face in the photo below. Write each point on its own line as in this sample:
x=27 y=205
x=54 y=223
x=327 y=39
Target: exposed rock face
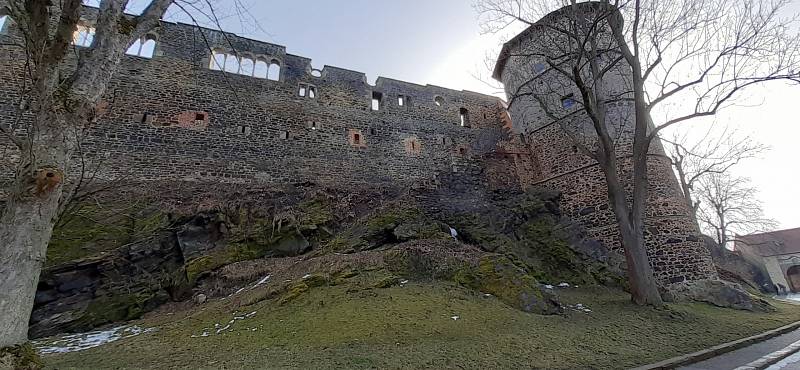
x=507 y=242
x=81 y=295
x=732 y=267
x=717 y=292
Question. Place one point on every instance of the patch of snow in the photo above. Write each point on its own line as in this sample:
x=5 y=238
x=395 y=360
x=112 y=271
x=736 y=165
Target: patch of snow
x=455 y=318
x=486 y=295
x=563 y=285
x=261 y=282
x=80 y=342
x=306 y=276
x=226 y=327
x=453 y=233
x=548 y=286
x=403 y=282
x=251 y=314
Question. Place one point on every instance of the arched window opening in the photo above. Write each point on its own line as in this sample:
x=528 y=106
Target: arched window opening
x=83 y=36
x=247 y=66
x=464 y=117
x=144 y=47
x=261 y=69
x=274 y=70
x=217 y=61
x=231 y=63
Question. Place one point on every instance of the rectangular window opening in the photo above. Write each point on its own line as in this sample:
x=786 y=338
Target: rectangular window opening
x=302 y=91
x=356 y=138
x=312 y=92
x=376 y=100
x=401 y=100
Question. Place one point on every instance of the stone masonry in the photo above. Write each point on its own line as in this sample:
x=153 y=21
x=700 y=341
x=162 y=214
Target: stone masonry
x=675 y=244
x=176 y=116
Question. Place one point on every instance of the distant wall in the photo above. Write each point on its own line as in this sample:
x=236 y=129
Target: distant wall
x=172 y=117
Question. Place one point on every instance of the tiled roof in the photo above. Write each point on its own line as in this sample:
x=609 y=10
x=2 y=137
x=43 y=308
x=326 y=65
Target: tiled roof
x=771 y=243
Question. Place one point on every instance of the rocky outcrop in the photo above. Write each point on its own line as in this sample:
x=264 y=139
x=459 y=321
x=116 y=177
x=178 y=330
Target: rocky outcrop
x=118 y=286
x=717 y=292
x=734 y=268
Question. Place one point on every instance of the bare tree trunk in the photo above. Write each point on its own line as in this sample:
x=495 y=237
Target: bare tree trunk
x=27 y=222
x=644 y=290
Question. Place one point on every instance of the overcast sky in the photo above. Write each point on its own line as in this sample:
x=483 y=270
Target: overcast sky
x=438 y=42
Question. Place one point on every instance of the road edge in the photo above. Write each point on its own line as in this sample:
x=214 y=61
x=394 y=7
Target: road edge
x=718 y=349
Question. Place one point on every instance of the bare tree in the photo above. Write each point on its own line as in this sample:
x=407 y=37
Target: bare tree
x=681 y=60
x=62 y=87
x=730 y=207
x=693 y=159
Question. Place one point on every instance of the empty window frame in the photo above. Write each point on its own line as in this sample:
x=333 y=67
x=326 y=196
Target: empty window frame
x=357 y=139
x=307 y=91
x=83 y=36
x=568 y=101
x=402 y=100
x=274 y=70
x=439 y=101
x=261 y=69
x=4 y=21
x=377 y=99
x=463 y=115
x=144 y=47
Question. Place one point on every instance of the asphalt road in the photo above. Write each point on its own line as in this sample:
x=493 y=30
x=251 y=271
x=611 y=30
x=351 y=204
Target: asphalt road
x=744 y=356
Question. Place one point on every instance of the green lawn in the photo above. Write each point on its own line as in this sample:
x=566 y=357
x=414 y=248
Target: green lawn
x=411 y=327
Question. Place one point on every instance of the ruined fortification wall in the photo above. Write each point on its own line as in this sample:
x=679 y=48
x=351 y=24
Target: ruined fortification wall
x=173 y=117
x=542 y=121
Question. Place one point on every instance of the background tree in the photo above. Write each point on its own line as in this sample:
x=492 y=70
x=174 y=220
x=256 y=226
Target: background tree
x=730 y=207
x=687 y=59
x=693 y=159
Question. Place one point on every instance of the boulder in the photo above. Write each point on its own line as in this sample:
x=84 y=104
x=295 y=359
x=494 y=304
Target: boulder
x=203 y=233
x=719 y=293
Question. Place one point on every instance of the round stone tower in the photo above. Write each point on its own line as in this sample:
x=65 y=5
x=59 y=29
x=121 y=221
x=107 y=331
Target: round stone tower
x=547 y=115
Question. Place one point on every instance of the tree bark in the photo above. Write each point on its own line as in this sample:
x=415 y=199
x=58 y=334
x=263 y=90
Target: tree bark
x=27 y=221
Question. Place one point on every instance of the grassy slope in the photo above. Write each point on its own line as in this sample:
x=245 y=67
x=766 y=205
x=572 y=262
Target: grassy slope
x=409 y=327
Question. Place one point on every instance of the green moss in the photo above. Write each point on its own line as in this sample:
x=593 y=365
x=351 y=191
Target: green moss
x=20 y=357
x=92 y=229
x=386 y=282
x=294 y=292
x=115 y=308
x=410 y=327
x=316 y=280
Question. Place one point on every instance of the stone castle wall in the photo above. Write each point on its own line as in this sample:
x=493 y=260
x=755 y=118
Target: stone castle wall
x=536 y=94
x=173 y=117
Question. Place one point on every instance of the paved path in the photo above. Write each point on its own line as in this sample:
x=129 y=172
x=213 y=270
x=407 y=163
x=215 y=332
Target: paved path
x=744 y=356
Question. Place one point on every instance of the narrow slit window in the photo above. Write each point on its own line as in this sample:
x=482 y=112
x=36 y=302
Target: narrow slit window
x=312 y=92
x=463 y=117
x=401 y=100
x=302 y=91
x=357 y=138
x=376 y=100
